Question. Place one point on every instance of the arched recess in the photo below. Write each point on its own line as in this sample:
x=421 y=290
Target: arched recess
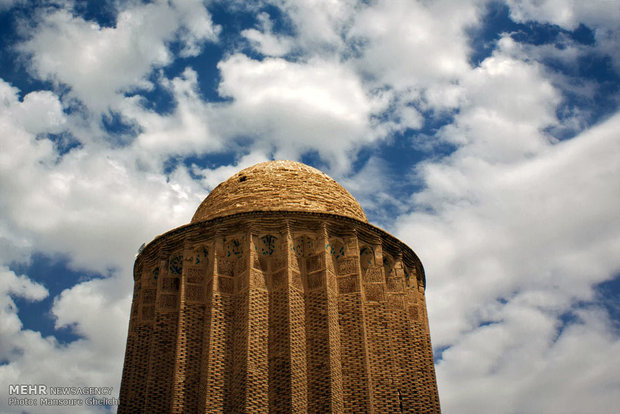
x=267 y=245
x=410 y=277
x=304 y=245
x=388 y=266
x=336 y=248
x=233 y=248
x=367 y=257
x=200 y=256
x=175 y=264
x=268 y=254
x=230 y=263
x=175 y=268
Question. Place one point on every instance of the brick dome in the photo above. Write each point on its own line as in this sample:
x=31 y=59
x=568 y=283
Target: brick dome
x=279 y=186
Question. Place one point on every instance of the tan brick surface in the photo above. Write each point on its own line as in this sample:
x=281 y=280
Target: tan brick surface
x=278 y=311
x=279 y=186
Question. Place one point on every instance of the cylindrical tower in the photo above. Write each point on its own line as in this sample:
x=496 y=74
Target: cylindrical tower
x=278 y=297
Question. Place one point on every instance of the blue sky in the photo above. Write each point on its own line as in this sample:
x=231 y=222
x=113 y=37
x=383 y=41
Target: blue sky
x=482 y=133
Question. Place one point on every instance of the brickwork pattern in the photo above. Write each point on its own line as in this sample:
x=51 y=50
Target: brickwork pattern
x=278 y=297
x=284 y=312
x=279 y=186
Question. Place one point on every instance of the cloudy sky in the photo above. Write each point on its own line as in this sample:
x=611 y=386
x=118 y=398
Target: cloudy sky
x=485 y=134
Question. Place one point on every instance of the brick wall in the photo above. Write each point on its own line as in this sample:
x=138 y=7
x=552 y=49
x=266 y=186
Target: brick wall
x=278 y=312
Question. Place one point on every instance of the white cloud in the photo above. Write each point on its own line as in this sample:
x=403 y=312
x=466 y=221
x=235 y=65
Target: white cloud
x=96 y=206
x=100 y=63
x=538 y=233
x=543 y=223
x=320 y=25
x=77 y=203
x=265 y=41
x=297 y=107
x=524 y=365
x=11 y=284
x=505 y=105
x=16 y=286
x=601 y=16
x=406 y=48
x=97 y=312
x=185 y=131
x=568 y=14
x=94 y=308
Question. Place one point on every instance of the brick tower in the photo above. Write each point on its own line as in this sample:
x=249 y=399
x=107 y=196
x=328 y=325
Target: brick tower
x=278 y=297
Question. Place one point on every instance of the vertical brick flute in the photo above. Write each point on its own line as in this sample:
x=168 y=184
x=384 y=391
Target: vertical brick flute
x=278 y=297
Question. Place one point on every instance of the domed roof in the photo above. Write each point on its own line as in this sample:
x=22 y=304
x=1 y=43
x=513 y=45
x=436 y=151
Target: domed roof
x=279 y=186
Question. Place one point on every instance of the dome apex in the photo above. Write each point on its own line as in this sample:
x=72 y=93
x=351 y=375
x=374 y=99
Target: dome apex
x=279 y=186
